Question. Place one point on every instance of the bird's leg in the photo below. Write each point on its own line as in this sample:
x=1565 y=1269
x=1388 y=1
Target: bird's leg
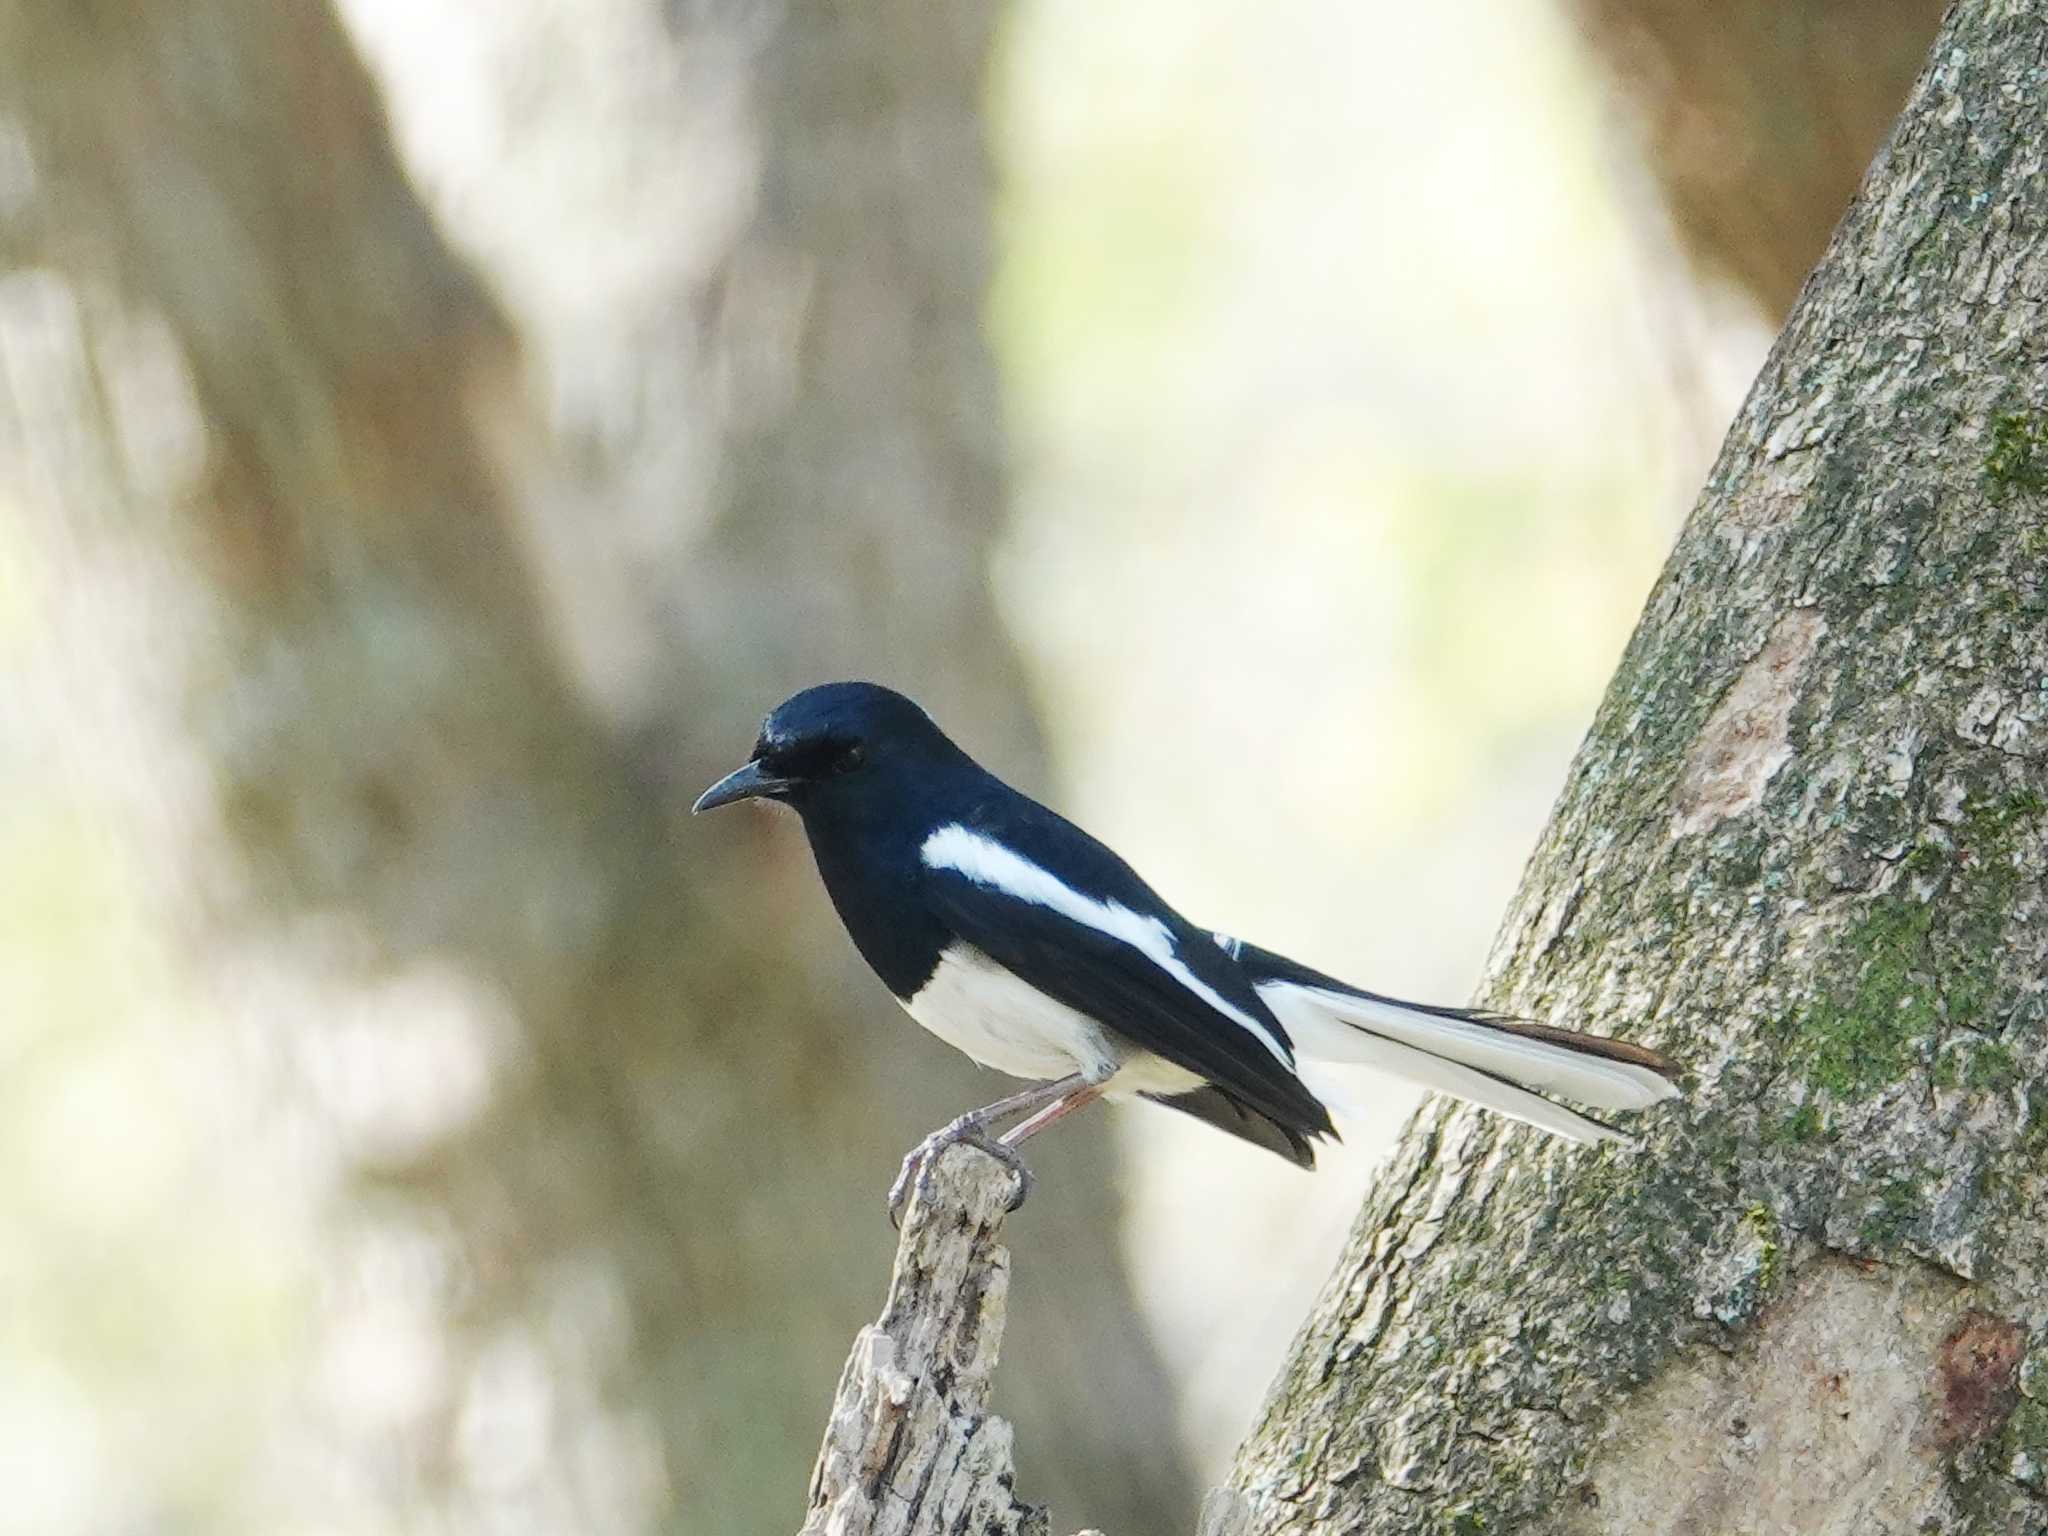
x=1059 y=1109
x=972 y=1129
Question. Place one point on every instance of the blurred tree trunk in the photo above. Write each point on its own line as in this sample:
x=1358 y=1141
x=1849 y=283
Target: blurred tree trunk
x=278 y=477
x=1759 y=117
x=1802 y=848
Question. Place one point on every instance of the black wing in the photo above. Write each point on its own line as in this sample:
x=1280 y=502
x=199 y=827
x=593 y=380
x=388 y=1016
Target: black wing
x=1121 y=987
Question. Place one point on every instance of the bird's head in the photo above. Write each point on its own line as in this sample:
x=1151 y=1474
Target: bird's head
x=826 y=742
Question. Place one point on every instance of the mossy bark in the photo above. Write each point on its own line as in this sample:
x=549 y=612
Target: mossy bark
x=1801 y=849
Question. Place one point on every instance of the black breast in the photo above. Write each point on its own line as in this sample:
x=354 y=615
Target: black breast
x=875 y=881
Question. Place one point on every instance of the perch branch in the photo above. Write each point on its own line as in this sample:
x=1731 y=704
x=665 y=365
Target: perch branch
x=911 y=1448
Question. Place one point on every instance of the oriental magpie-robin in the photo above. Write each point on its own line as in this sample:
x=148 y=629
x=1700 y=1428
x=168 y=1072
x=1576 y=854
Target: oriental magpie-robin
x=1013 y=935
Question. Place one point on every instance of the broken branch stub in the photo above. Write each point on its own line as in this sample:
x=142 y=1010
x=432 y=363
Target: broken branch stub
x=911 y=1448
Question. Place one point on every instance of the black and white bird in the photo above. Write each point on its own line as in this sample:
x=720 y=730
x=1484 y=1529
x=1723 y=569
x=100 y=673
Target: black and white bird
x=1016 y=937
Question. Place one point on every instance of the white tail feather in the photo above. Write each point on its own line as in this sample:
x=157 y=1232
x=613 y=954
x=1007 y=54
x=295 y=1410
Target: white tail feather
x=1326 y=1080
x=1494 y=1067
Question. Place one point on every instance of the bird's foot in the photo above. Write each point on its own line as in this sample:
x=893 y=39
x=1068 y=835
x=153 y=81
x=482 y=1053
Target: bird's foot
x=970 y=1131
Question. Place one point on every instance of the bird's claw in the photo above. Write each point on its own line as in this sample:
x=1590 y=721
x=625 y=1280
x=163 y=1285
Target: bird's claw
x=916 y=1172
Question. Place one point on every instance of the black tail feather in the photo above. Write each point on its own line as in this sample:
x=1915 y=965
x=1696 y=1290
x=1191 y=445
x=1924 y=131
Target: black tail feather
x=1215 y=1107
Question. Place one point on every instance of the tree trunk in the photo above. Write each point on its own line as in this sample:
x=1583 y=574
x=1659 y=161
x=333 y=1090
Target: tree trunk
x=1758 y=117
x=1801 y=849
x=275 y=475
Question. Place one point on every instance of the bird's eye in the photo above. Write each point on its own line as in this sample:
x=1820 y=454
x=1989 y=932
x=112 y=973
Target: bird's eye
x=849 y=758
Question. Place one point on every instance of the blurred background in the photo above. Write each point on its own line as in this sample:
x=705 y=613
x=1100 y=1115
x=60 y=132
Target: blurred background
x=433 y=432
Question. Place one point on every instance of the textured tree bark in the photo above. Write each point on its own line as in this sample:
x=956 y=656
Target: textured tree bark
x=273 y=463
x=911 y=1448
x=1758 y=117
x=1802 y=849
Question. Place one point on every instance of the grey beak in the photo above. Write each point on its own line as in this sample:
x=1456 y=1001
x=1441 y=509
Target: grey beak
x=747 y=782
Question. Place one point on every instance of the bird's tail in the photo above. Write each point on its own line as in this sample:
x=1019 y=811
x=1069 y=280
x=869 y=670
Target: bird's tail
x=1502 y=1064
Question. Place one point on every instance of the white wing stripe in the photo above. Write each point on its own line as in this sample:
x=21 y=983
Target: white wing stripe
x=987 y=862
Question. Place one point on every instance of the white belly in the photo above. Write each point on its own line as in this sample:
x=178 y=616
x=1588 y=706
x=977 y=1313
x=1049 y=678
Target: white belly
x=976 y=1006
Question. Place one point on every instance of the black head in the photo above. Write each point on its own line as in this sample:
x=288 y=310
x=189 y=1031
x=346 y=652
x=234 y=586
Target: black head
x=828 y=740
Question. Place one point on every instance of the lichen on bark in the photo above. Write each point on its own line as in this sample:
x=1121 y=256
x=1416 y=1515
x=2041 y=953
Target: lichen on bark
x=1801 y=849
